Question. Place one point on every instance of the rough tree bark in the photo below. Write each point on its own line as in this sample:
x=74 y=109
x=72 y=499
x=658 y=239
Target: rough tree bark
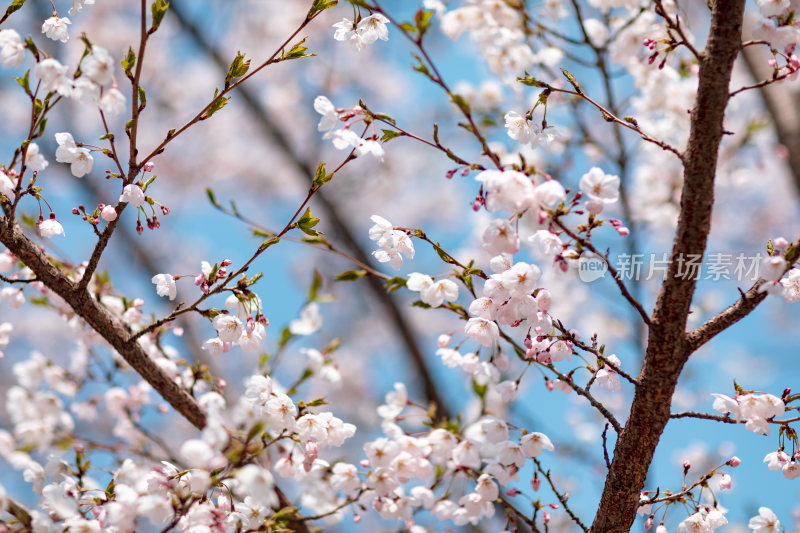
x=668 y=347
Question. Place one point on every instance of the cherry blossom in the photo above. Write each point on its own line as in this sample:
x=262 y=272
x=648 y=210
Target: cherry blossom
x=12 y=49
x=165 y=285
x=600 y=186
x=50 y=228
x=80 y=159
x=433 y=293
x=132 y=194
x=56 y=28
x=765 y=522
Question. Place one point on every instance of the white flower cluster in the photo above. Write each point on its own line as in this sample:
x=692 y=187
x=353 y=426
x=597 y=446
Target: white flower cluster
x=392 y=243
x=400 y=479
x=344 y=138
x=498 y=32
x=97 y=70
x=365 y=32
x=241 y=326
x=755 y=409
x=706 y=520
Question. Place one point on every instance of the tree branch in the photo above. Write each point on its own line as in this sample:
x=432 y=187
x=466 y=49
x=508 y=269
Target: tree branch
x=274 y=135
x=667 y=348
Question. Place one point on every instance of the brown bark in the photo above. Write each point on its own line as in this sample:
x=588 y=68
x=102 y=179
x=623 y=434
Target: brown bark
x=667 y=345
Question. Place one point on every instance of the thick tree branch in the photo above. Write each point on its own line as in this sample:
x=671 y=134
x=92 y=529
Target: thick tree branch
x=667 y=348
x=100 y=319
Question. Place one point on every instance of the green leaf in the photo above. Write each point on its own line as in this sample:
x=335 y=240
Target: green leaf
x=285 y=514
x=316 y=403
x=218 y=103
x=24 y=82
x=31 y=46
x=460 y=102
x=388 y=135
x=252 y=281
x=296 y=52
x=351 y=275
x=480 y=390
x=423 y=20
x=15 y=5
x=211 y=197
x=530 y=81
x=421 y=304
x=40 y=131
x=392 y=284
x=320 y=177
x=422 y=68
x=158 y=10
x=407 y=26
x=285 y=336
x=632 y=121
x=255 y=431
x=268 y=243
x=571 y=79
x=321 y=5
x=307 y=222
x=791 y=254
x=316 y=283
x=314 y=239
x=128 y=62
x=142 y=98
x=238 y=68
x=770 y=247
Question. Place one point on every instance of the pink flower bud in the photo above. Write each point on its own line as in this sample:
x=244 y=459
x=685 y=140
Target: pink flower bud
x=443 y=341
x=199 y=279
x=250 y=326
x=780 y=242
x=165 y=210
x=623 y=231
x=594 y=207
x=221 y=383
x=139 y=228
x=734 y=461
x=542 y=216
x=550 y=385
x=553 y=505
x=310 y=454
x=546 y=517
x=686 y=466
x=648 y=523
x=725 y=482
x=148 y=167
x=512 y=492
x=74 y=210
x=108 y=213
x=536 y=483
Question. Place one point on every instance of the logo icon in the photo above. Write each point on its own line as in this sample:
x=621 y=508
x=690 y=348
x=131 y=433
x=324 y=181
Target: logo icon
x=591 y=267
